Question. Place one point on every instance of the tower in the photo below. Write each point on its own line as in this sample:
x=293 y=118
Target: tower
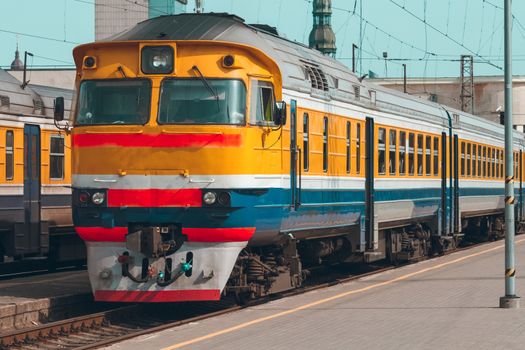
x=17 y=63
x=322 y=36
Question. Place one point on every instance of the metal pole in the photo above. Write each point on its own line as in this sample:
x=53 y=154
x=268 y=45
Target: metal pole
x=24 y=82
x=361 y=37
x=404 y=78
x=354 y=46
x=510 y=300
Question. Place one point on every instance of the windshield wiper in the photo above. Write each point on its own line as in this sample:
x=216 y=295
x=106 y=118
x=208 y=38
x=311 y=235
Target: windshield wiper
x=208 y=86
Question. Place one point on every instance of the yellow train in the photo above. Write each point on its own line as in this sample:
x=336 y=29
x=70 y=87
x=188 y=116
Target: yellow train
x=211 y=157
x=35 y=175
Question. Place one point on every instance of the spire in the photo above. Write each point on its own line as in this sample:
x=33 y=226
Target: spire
x=322 y=36
x=17 y=63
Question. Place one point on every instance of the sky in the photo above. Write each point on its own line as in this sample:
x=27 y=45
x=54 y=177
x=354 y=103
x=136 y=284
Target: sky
x=427 y=35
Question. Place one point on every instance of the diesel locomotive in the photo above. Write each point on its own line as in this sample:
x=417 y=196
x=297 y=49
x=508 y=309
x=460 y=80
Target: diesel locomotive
x=211 y=156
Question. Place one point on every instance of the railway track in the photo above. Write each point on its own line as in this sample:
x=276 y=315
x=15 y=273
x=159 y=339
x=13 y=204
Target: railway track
x=113 y=326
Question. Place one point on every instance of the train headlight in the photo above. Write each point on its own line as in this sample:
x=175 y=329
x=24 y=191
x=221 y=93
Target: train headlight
x=209 y=198
x=98 y=198
x=157 y=59
x=83 y=197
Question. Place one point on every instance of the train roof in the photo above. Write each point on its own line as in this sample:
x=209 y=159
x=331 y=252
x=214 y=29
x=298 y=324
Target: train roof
x=33 y=100
x=304 y=69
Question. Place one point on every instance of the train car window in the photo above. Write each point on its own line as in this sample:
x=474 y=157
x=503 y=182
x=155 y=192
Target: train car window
x=325 y=144
x=56 y=158
x=479 y=161
x=489 y=162
x=462 y=159
x=474 y=159
x=402 y=152
x=468 y=159
x=9 y=155
x=191 y=101
x=497 y=164
x=420 y=155
x=493 y=162
x=381 y=151
x=122 y=101
x=428 y=155
x=502 y=165
x=348 y=146
x=484 y=159
x=491 y=156
x=436 y=156
x=306 y=140
x=263 y=101
x=411 y=145
x=358 y=148
x=393 y=144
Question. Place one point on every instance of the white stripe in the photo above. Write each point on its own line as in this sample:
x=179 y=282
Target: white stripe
x=11 y=190
x=56 y=190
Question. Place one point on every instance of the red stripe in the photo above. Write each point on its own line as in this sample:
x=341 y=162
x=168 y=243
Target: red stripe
x=157 y=296
x=118 y=234
x=155 y=198
x=157 y=140
x=102 y=234
x=237 y=234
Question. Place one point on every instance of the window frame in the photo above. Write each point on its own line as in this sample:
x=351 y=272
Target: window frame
x=325 y=144
x=10 y=150
x=306 y=142
x=62 y=155
x=392 y=152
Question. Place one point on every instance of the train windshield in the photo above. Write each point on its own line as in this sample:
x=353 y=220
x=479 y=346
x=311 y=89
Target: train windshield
x=191 y=101
x=103 y=102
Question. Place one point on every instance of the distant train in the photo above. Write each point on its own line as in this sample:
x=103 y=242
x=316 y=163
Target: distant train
x=191 y=179
x=35 y=175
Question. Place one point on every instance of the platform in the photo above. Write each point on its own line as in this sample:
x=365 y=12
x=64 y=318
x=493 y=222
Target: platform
x=32 y=300
x=450 y=302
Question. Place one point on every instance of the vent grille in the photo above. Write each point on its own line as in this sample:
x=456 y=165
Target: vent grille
x=357 y=92
x=39 y=106
x=4 y=101
x=317 y=77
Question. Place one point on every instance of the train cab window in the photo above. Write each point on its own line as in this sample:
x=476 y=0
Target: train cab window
x=436 y=156
x=420 y=155
x=428 y=155
x=114 y=101
x=462 y=159
x=348 y=147
x=479 y=161
x=325 y=144
x=402 y=152
x=56 y=158
x=204 y=102
x=306 y=142
x=262 y=98
x=474 y=160
x=411 y=145
x=468 y=159
x=392 y=156
x=358 y=148
x=381 y=151
x=9 y=155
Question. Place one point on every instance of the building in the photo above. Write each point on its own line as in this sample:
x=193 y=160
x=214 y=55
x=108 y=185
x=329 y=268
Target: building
x=115 y=16
x=489 y=98
x=322 y=36
x=17 y=64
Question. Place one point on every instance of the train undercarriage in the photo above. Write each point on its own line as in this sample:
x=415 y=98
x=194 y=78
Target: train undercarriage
x=261 y=271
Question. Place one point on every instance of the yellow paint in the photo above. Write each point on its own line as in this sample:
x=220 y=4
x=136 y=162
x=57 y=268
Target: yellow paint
x=332 y=298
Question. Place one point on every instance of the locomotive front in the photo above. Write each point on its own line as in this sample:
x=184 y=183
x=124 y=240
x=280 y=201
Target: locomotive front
x=166 y=149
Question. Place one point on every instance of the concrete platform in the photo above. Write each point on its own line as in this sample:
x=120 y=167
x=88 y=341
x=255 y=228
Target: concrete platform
x=33 y=300
x=451 y=302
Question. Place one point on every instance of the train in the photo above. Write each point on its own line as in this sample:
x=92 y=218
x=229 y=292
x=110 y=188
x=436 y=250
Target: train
x=212 y=157
x=35 y=175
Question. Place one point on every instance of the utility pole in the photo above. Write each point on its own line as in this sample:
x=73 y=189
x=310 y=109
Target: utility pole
x=510 y=300
x=467 y=83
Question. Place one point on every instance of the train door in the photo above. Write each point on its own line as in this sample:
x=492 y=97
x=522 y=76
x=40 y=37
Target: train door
x=455 y=190
x=31 y=239
x=295 y=159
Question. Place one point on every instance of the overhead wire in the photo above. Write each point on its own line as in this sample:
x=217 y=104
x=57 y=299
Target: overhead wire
x=426 y=23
